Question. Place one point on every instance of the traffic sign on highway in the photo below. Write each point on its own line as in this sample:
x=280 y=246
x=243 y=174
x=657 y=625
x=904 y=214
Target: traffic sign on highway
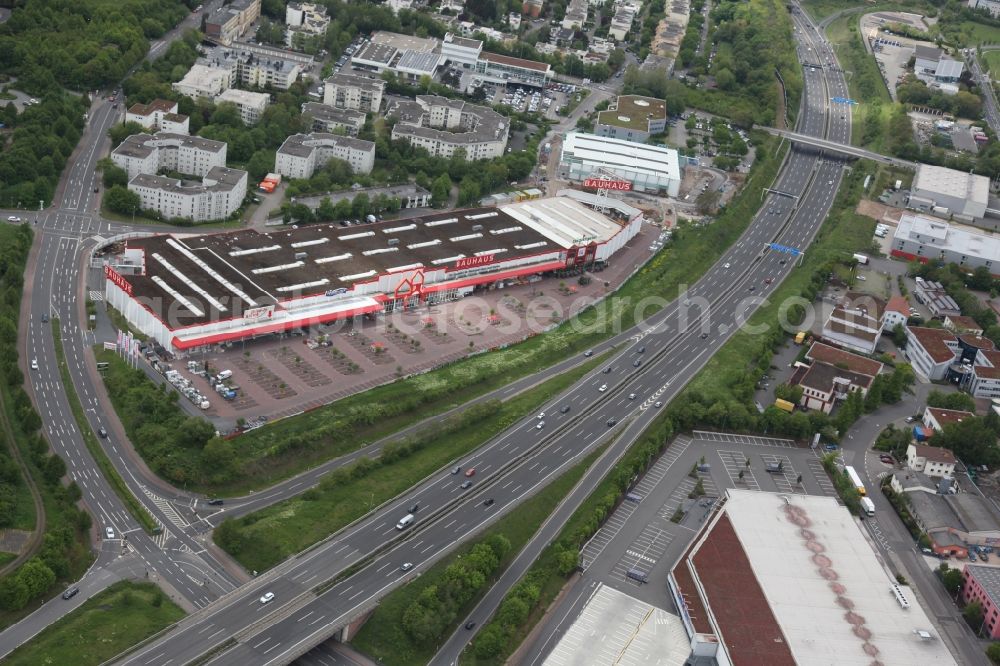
x=787 y=250
x=843 y=100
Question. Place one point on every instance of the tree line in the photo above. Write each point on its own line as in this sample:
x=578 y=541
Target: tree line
x=64 y=553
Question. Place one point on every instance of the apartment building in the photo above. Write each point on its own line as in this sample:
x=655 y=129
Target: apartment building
x=576 y=15
x=443 y=126
x=160 y=115
x=149 y=153
x=205 y=81
x=334 y=121
x=251 y=105
x=355 y=93
x=301 y=154
x=304 y=20
x=216 y=197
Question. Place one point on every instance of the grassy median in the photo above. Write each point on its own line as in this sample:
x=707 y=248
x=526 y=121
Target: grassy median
x=264 y=538
x=104 y=626
x=383 y=636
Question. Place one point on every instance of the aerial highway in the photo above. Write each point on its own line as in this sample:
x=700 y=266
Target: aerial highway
x=313 y=595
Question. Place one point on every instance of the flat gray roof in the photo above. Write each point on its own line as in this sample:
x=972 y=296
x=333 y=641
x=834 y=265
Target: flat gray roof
x=224 y=177
x=378 y=53
x=303 y=144
x=142 y=145
x=362 y=82
x=331 y=114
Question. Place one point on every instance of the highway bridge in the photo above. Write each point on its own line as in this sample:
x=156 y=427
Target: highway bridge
x=840 y=148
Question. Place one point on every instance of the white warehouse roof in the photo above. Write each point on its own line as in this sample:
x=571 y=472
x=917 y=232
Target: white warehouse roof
x=941 y=235
x=950 y=186
x=810 y=558
x=657 y=161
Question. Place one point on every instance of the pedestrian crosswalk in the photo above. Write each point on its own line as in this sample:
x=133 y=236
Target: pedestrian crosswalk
x=96 y=295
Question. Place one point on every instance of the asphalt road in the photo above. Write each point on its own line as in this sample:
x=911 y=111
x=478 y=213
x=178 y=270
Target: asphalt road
x=990 y=110
x=301 y=614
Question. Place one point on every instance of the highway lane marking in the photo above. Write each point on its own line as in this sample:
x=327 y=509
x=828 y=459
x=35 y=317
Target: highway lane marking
x=262 y=642
x=271 y=648
x=421 y=552
x=316 y=620
x=305 y=616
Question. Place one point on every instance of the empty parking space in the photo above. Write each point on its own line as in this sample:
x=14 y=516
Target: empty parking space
x=642 y=555
x=739 y=472
x=825 y=484
x=752 y=440
x=786 y=479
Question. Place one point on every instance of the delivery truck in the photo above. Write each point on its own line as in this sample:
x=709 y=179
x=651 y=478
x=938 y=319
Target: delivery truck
x=785 y=405
x=868 y=506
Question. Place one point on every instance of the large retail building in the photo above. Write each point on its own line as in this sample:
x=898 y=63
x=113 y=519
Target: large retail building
x=193 y=291
x=647 y=168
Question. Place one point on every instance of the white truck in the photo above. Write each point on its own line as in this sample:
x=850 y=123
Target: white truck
x=868 y=506
x=861 y=258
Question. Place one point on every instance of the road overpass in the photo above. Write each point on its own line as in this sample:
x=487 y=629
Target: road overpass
x=840 y=148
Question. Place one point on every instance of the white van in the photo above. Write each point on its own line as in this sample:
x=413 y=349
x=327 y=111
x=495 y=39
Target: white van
x=405 y=522
x=225 y=374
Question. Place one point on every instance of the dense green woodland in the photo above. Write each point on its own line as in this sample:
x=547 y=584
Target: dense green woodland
x=82 y=44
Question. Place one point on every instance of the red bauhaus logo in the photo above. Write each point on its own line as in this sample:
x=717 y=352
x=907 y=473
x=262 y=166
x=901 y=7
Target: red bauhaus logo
x=119 y=281
x=472 y=262
x=607 y=184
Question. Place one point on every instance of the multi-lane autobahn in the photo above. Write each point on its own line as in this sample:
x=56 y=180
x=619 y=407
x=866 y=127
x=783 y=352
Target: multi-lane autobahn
x=310 y=602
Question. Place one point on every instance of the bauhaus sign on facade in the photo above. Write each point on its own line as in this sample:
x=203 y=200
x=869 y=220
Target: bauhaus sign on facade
x=607 y=184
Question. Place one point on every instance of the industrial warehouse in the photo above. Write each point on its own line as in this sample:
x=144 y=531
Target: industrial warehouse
x=192 y=291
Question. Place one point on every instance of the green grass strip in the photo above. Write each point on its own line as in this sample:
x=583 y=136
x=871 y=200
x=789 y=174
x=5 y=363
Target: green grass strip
x=115 y=480
x=264 y=538
x=102 y=627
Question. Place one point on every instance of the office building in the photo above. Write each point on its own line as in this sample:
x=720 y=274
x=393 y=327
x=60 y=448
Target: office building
x=632 y=118
x=232 y=21
x=443 y=126
x=251 y=105
x=149 y=153
x=355 y=93
x=949 y=193
x=515 y=71
x=461 y=50
x=925 y=239
x=301 y=154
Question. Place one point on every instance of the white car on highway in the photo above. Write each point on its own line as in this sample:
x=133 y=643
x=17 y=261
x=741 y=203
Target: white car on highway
x=34 y=364
x=603 y=388
x=267 y=598
x=13 y=218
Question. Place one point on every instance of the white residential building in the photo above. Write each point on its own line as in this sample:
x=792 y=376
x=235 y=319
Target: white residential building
x=931 y=460
x=443 y=126
x=160 y=115
x=149 y=153
x=924 y=239
x=219 y=195
x=355 y=93
x=931 y=350
x=204 y=81
x=301 y=154
x=334 y=121
x=251 y=105
x=306 y=19
x=576 y=15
